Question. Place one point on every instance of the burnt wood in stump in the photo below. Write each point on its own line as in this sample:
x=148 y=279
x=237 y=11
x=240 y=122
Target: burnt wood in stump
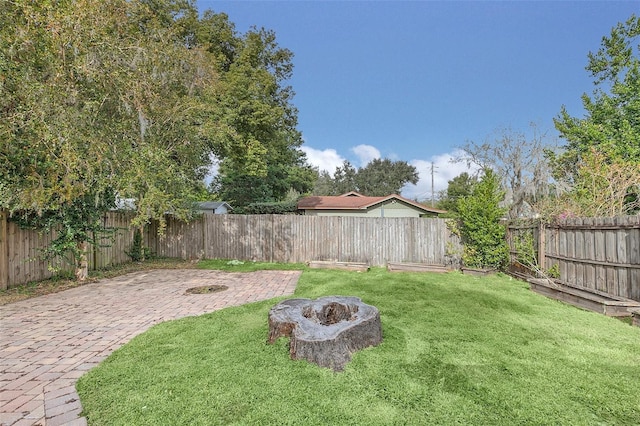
x=325 y=331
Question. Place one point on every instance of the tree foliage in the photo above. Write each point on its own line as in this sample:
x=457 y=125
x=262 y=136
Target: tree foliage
x=483 y=236
x=378 y=178
x=382 y=177
x=601 y=157
x=344 y=179
x=257 y=104
x=600 y=189
x=457 y=188
x=519 y=161
x=69 y=239
x=131 y=98
x=612 y=120
x=323 y=183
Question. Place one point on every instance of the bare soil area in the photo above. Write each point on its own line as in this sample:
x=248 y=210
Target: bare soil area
x=56 y=284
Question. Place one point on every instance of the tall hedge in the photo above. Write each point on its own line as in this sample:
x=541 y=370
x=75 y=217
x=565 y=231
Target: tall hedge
x=483 y=236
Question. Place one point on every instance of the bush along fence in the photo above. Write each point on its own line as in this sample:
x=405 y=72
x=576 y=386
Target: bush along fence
x=270 y=238
x=20 y=250
x=598 y=254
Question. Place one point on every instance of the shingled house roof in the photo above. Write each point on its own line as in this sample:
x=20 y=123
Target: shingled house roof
x=355 y=201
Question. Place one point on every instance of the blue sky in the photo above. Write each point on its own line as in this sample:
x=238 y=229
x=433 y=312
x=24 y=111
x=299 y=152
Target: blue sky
x=414 y=80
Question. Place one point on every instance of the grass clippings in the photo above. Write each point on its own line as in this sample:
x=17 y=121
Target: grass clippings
x=456 y=350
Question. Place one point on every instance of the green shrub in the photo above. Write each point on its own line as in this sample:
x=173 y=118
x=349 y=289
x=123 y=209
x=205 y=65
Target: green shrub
x=276 y=207
x=483 y=236
x=554 y=271
x=138 y=252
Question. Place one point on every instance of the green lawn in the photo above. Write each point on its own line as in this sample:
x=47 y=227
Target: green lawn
x=456 y=350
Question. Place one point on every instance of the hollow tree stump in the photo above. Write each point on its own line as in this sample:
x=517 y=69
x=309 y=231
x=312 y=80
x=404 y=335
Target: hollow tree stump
x=325 y=331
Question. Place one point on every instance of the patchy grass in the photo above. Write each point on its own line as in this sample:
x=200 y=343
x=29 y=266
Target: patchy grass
x=456 y=350
x=233 y=265
x=65 y=282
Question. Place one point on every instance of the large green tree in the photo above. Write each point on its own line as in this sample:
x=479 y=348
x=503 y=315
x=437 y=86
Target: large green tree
x=344 y=179
x=256 y=102
x=457 y=188
x=55 y=163
x=323 y=183
x=611 y=123
x=382 y=177
x=378 y=178
x=130 y=98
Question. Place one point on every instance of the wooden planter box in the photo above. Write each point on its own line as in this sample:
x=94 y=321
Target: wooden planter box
x=415 y=267
x=592 y=300
x=329 y=264
x=477 y=271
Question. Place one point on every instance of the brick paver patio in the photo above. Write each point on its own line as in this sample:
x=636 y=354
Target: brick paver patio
x=48 y=342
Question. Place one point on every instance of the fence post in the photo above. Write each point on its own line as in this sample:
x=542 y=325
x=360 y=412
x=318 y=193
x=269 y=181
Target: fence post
x=541 y=245
x=4 y=250
x=205 y=236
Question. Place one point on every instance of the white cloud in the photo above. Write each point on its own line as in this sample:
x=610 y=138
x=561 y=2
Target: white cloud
x=327 y=159
x=444 y=171
x=365 y=153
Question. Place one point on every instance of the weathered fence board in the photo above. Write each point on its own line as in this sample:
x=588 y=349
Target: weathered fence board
x=374 y=241
x=602 y=254
x=4 y=250
x=23 y=262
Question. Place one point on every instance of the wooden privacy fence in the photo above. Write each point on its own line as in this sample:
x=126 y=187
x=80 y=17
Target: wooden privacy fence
x=270 y=238
x=600 y=254
x=20 y=250
x=289 y=238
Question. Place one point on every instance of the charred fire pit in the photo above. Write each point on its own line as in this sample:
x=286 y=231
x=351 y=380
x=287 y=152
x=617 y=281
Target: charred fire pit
x=325 y=331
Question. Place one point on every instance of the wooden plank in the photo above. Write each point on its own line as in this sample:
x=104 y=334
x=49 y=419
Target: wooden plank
x=4 y=249
x=571 y=251
x=15 y=256
x=595 y=262
x=542 y=234
x=579 y=254
x=601 y=303
x=551 y=247
x=589 y=258
x=633 y=253
x=600 y=254
x=611 y=256
x=416 y=267
x=621 y=236
x=350 y=266
x=562 y=251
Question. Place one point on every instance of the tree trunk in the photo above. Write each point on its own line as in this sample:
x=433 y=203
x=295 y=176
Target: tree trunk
x=142 y=251
x=326 y=331
x=82 y=263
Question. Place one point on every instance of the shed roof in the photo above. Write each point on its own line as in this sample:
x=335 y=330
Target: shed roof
x=212 y=205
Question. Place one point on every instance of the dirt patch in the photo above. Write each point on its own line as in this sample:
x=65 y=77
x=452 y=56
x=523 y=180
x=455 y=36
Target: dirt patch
x=206 y=289
x=55 y=285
